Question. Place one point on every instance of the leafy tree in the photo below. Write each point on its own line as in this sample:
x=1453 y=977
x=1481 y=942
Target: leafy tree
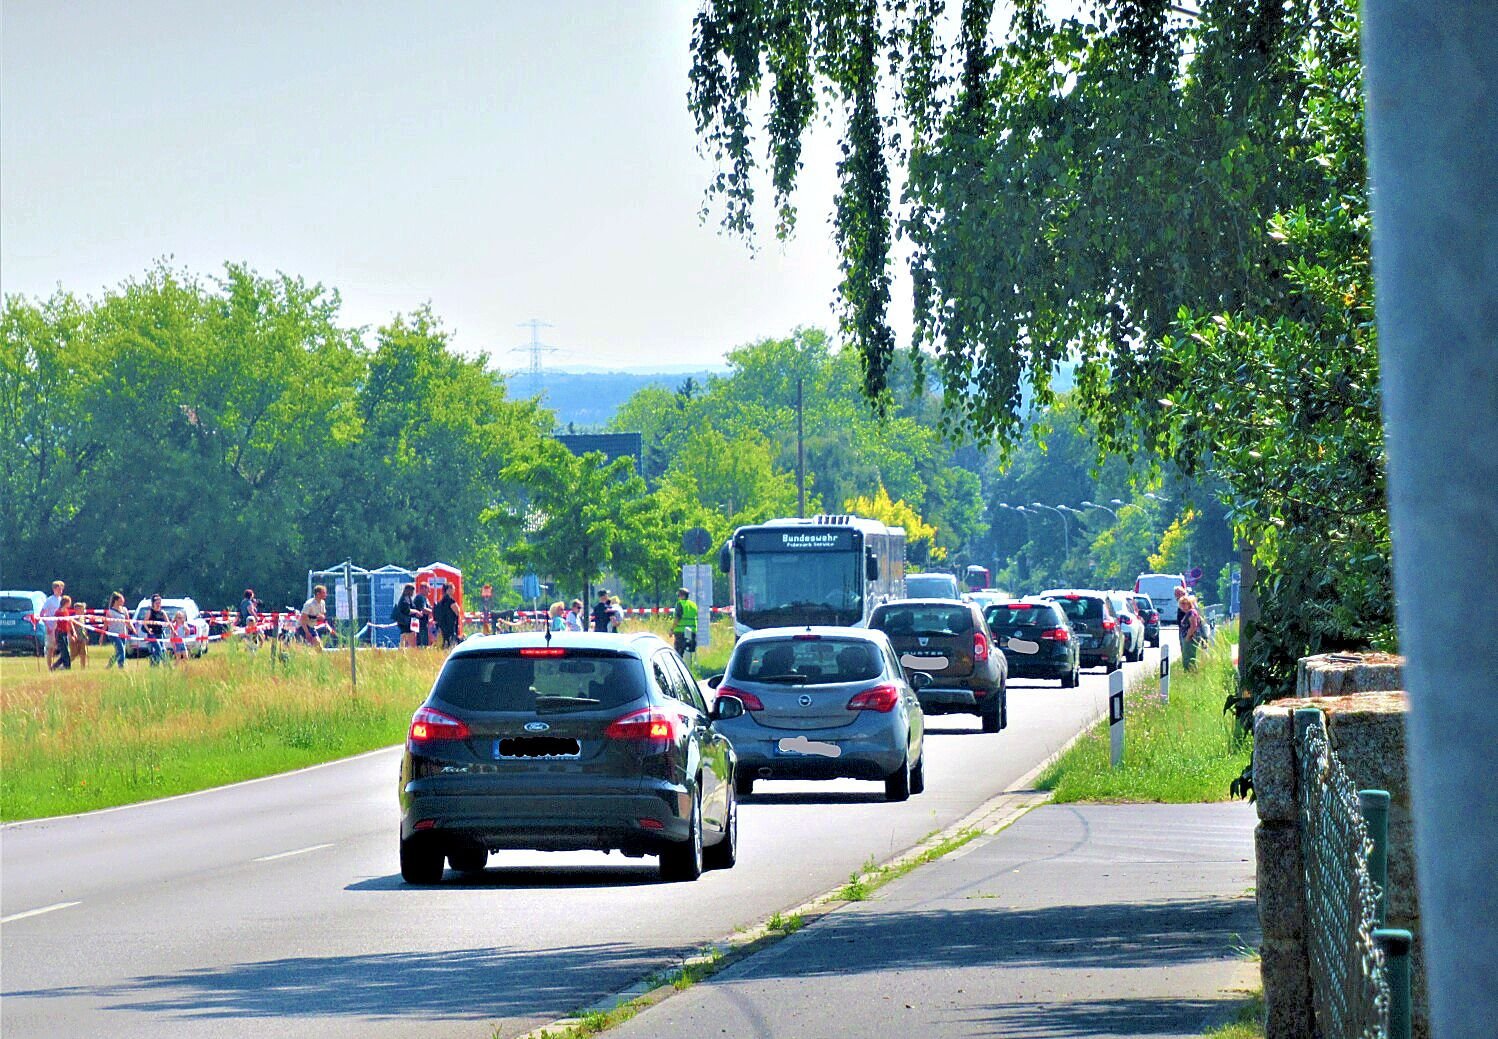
x=920 y=537
x=578 y=513
x=1173 y=201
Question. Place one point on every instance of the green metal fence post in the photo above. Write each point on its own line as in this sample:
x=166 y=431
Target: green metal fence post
x=1395 y=945
x=1374 y=804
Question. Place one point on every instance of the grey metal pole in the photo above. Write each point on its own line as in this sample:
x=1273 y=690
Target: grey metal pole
x=1432 y=130
x=800 y=452
x=353 y=609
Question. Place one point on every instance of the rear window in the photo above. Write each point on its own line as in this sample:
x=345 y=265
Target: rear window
x=1082 y=608
x=577 y=681
x=802 y=661
x=1023 y=615
x=16 y=604
x=897 y=620
x=931 y=586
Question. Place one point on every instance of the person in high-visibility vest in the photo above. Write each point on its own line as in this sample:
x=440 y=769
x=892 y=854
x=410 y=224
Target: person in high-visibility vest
x=685 y=630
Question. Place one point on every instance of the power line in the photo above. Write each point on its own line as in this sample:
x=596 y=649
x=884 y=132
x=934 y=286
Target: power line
x=535 y=348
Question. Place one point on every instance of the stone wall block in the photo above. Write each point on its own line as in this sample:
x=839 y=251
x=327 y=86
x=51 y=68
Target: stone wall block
x=1370 y=745
x=1274 y=764
x=1404 y=897
x=1279 y=880
x=1287 y=989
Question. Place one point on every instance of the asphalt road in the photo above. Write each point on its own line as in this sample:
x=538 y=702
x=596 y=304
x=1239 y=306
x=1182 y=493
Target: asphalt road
x=275 y=908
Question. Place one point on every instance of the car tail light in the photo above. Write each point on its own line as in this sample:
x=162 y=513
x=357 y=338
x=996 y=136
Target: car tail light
x=751 y=702
x=1109 y=623
x=980 y=646
x=881 y=698
x=806 y=637
x=1136 y=585
x=543 y=651
x=648 y=723
x=428 y=725
x=1056 y=635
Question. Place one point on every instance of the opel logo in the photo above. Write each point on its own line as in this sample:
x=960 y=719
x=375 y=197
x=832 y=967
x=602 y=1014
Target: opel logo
x=536 y=726
x=804 y=700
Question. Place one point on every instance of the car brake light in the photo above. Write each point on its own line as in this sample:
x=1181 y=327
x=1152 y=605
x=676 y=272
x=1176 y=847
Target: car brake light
x=1056 y=635
x=751 y=702
x=543 y=651
x=881 y=698
x=1136 y=585
x=648 y=723
x=428 y=725
x=1020 y=606
x=1109 y=623
x=806 y=637
x=980 y=646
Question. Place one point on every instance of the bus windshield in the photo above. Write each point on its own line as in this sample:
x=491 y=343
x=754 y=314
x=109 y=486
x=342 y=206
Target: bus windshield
x=784 y=588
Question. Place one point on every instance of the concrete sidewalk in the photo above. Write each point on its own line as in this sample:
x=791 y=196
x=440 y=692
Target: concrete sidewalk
x=1077 y=920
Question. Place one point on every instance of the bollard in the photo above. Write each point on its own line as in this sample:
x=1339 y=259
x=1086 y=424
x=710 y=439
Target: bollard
x=1116 y=716
x=1164 y=672
x=1395 y=946
x=1374 y=806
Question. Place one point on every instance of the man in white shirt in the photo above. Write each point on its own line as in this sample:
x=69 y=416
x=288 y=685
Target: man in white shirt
x=50 y=606
x=314 y=613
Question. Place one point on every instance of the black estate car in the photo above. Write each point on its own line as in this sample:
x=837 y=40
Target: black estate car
x=1100 y=637
x=562 y=742
x=1036 y=639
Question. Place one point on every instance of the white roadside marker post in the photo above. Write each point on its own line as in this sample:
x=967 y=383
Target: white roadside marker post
x=1116 y=715
x=1164 y=671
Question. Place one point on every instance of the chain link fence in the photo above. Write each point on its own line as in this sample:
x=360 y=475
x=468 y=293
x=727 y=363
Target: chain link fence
x=1353 y=960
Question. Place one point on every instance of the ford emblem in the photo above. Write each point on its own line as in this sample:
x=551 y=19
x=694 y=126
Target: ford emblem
x=536 y=726
x=804 y=700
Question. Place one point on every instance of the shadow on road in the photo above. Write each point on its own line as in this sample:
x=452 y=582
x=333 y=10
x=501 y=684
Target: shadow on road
x=531 y=877
x=1094 y=1017
x=980 y=935
x=457 y=984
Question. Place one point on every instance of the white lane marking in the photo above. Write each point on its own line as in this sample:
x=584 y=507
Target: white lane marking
x=288 y=854
x=35 y=912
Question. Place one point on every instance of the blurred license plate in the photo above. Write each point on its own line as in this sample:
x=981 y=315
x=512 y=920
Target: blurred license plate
x=916 y=663
x=1022 y=646
x=802 y=745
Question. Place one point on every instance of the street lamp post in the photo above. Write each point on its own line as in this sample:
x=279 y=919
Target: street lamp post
x=1095 y=505
x=1065 y=530
x=1026 y=514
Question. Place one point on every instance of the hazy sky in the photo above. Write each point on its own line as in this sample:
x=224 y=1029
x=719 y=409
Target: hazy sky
x=503 y=160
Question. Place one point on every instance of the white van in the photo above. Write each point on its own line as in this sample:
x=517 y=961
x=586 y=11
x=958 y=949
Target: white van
x=1161 y=589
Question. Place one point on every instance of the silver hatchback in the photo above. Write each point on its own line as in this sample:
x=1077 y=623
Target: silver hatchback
x=824 y=703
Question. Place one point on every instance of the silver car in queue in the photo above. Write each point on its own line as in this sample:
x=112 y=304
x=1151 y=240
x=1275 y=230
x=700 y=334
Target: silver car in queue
x=824 y=703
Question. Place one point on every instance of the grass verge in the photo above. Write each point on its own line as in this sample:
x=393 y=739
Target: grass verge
x=1183 y=752
x=1247 y=1023
x=81 y=740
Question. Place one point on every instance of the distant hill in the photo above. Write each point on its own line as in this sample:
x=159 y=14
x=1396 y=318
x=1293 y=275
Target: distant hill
x=588 y=400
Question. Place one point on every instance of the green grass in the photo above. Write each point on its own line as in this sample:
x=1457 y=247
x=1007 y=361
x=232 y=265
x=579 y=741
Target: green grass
x=706 y=662
x=1186 y=752
x=1247 y=1023
x=81 y=740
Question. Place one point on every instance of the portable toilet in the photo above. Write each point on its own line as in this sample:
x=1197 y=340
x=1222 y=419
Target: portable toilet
x=443 y=574
x=385 y=586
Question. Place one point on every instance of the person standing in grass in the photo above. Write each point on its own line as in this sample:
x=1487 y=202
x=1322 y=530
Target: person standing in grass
x=684 y=631
x=421 y=607
x=155 y=625
x=49 y=625
x=117 y=627
x=178 y=637
x=63 y=635
x=445 y=613
x=314 y=615
x=403 y=616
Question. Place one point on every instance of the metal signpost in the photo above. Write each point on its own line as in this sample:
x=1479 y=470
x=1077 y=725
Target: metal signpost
x=1116 y=715
x=697 y=578
x=1164 y=672
x=353 y=616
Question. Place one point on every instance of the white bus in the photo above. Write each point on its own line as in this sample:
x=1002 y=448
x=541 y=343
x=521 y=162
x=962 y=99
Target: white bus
x=821 y=570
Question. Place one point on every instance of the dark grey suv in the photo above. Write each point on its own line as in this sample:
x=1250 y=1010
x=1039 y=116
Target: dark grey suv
x=567 y=742
x=949 y=640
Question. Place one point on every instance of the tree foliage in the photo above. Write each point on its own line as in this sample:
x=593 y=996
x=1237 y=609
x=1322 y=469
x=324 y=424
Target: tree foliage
x=1174 y=201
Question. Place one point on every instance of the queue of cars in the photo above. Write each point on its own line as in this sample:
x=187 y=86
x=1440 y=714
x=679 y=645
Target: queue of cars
x=595 y=741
